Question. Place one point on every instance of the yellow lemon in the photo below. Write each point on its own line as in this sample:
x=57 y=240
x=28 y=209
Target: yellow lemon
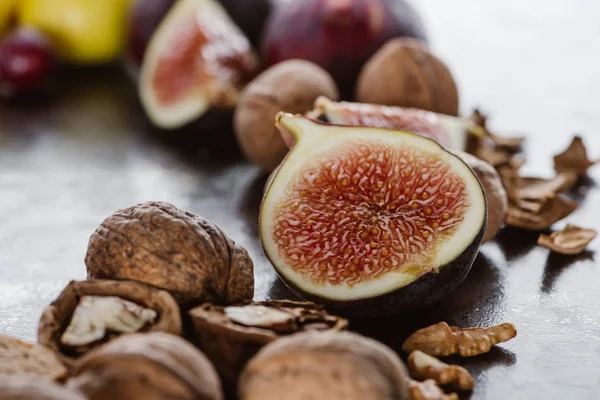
x=7 y=8
x=83 y=31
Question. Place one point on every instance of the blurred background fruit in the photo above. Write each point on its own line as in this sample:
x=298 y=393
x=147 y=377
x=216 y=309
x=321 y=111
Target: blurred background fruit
x=250 y=16
x=83 y=31
x=7 y=10
x=144 y=18
x=338 y=35
x=26 y=61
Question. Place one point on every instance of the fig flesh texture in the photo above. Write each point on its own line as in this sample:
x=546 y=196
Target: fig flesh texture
x=197 y=60
x=324 y=365
x=340 y=36
x=451 y=132
x=231 y=335
x=370 y=221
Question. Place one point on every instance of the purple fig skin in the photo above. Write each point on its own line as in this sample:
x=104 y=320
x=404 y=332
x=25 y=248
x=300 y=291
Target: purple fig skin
x=26 y=61
x=338 y=36
x=145 y=16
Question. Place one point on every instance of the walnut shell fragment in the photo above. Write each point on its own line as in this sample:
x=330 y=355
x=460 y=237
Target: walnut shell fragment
x=423 y=366
x=553 y=209
x=442 y=340
x=144 y=366
x=174 y=250
x=428 y=390
x=506 y=143
x=18 y=357
x=25 y=387
x=532 y=188
x=574 y=159
x=332 y=365
x=571 y=240
x=57 y=317
x=230 y=336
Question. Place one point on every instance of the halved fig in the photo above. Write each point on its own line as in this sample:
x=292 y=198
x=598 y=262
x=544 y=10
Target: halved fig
x=231 y=335
x=197 y=60
x=451 y=132
x=371 y=221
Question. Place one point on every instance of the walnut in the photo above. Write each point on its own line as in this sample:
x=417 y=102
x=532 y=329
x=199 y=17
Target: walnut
x=174 y=250
x=319 y=365
x=423 y=366
x=428 y=390
x=139 y=366
x=230 y=336
x=443 y=340
x=24 y=387
x=574 y=159
x=571 y=240
x=88 y=313
x=18 y=357
x=95 y=315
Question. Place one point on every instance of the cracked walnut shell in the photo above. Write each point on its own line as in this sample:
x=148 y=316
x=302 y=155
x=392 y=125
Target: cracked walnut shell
x=24 y=387
x=442 y=340
x=146 y=366
x=324 y=365
x=230 y=336
x=174 y=250
x=58 y=317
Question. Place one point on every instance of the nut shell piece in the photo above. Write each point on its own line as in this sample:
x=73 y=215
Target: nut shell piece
x=158 y=244
x=25 y=387
x=18 y=358
x=405 y=73
x=153 y=365
x=441 y=340
x=230 y=344
x=332 y=365
x=57 y=316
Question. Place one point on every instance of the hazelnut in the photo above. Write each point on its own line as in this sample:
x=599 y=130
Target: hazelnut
x=139 y=366
x=174 y=250
x=405 y=73
x=88 y=313
x=291 y=86
x=324 y=365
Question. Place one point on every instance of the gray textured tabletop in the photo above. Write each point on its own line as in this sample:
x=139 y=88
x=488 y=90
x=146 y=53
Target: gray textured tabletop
x=67 y=162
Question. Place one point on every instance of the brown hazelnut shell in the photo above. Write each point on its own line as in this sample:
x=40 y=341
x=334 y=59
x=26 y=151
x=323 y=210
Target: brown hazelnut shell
x=160 y=245
x=230 y=345
x=27 y=387
x=332 y=365
x=57 y=316
x=405 y=73
x=135 y=362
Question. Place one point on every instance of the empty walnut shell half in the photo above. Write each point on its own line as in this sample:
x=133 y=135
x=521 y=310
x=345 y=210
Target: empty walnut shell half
x=67 y=313
x=145 y=366
x=172 y=249
x=230 y=336
x=26 y=387
x=324 y=365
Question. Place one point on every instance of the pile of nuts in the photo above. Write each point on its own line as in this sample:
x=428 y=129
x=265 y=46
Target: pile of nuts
x=161 y=280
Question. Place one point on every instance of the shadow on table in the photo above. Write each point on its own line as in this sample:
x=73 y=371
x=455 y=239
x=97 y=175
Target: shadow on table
x=556 y=264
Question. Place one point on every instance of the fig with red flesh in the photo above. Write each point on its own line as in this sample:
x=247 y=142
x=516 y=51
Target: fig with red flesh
x=370 y=221
x=451 y=132
x=339 y=36
x=197 y=60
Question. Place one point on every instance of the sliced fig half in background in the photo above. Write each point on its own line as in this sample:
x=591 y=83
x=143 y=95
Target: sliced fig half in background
x=197 y=60
x=451 y=132
x=370 y=221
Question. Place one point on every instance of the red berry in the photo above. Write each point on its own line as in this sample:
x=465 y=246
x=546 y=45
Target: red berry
x=26 y=60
